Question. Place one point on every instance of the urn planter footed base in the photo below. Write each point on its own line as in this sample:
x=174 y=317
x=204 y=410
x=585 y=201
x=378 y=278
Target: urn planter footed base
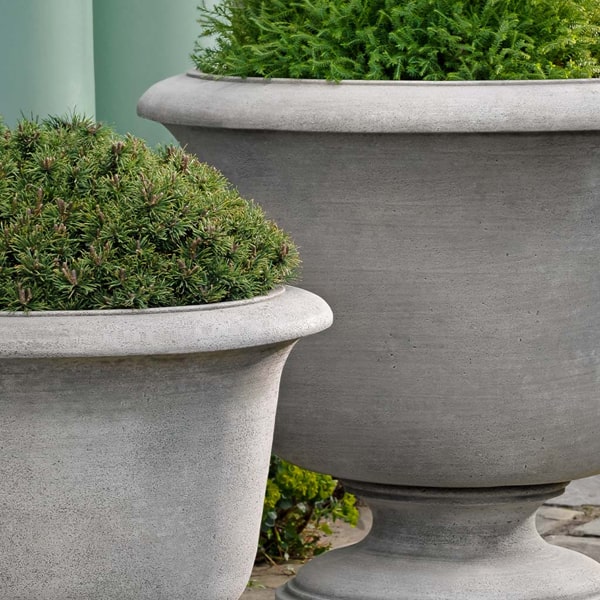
x=449 y=544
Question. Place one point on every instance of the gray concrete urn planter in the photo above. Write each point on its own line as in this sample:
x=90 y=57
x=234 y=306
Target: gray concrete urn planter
x=134 y=446
x=455 y=229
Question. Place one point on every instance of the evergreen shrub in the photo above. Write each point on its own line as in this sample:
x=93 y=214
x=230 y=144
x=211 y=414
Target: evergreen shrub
x=93 y=220
x=299 y=507
x=402 y=39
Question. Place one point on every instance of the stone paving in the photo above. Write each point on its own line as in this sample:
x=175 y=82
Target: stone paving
x=571 y=520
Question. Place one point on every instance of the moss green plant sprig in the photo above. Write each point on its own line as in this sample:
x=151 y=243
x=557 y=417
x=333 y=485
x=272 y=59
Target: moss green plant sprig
x=298 y=510
x=93 y=220
x=406 y=39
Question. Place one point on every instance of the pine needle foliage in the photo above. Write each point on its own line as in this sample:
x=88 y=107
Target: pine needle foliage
x=93 y=220
x=402 y=39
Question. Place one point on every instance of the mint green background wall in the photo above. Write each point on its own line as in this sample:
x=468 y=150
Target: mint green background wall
x=137 y=43
x=96 y=57
x=46 y=58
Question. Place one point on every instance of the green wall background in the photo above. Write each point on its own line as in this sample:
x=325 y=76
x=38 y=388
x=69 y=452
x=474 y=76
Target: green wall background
x=94 y=57
x=136 y=44
x=46 y=57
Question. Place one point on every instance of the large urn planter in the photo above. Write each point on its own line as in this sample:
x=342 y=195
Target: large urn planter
x=135 y=446
x=454 y=228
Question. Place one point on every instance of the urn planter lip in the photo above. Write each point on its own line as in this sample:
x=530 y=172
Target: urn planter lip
x=287 y=313
x=361 y=106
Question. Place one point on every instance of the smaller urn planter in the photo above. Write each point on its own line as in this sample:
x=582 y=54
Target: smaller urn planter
x=136 y=445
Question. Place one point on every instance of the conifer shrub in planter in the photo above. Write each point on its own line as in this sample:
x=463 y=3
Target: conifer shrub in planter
x=442 y=178
x=389 y=40
x=143 y=331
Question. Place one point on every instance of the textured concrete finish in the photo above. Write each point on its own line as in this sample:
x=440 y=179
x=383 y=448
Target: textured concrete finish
x=139 y=474
x=453 y=227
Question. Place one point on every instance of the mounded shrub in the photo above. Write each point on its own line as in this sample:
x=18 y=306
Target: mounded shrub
x=93 y=220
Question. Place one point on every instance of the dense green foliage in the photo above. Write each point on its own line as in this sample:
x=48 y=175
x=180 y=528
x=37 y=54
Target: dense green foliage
x=406 y=39
x=299 y=505
x=90 y=219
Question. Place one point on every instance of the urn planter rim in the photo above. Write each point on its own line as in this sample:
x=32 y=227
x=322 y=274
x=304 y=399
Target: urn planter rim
x=359 y=106
x=284 y=315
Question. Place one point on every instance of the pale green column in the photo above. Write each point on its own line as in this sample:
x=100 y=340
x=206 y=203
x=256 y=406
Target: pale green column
x=46 y=58
x=137 y=43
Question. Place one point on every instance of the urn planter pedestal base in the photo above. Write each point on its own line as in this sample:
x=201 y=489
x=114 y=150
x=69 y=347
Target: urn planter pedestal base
x=449 y=544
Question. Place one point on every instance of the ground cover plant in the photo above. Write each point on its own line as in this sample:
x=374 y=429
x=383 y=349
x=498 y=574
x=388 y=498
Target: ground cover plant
x=410 y=39
x=299 y=507
x=92 y=220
